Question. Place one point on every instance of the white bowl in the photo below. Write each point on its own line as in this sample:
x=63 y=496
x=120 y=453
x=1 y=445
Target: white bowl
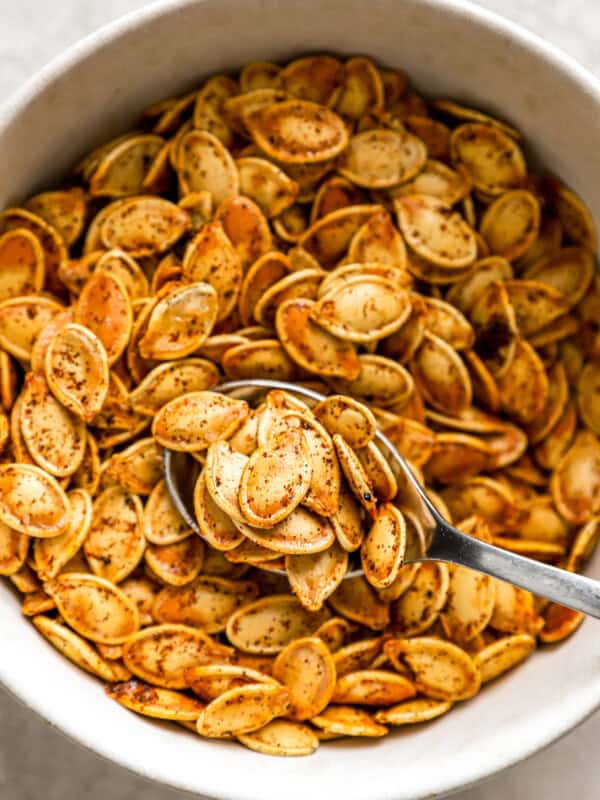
x=448 y=48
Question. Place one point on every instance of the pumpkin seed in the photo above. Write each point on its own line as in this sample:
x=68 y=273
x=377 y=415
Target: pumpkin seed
x=300 y=533
x=51 y=555
x=447 y=323
x=381 y=382
x=204 y=164
x=153 y=702
x=143 y=226
x=170 y=380
x=53 y=245
x=243 y=710
x=180 y=322
x=574 y=215
x=511 y=224
x=347 y=521
x=313 y=578
x=258 y=75
x=470 y=604
x=264 y=273
x=74 y=647
x=441 y=376
x=442 y=671
x=76 y=369
x=524 y=390
x=535 y=304
x=329 y=237
x=355 y=474
x=266 y=184
x=161 y=654
x=94 y=607
x=268 y=625
x=207 y=602
x=362 y=89
x=115 y=543
x=64 y=210
x=263 y=358
x=297 y=132
x=54 y=437
x=348 y=721
x=310 y=346
x=276 y=479
x=491 y=157
x=14 y=547
x=281 y=738
x=32 y=502
x=105 y=308
x=334 y=632
x=559 y=622
x=211 y=258
x=372 y=687
x=22 y=264
x=175 y=564
x=122 y=170
x=348 y=418
x=333 y=194
x=193 y=421
x=498 y=657
x=237 y=109
x=212 y=680
x=422 y=709
x=514 y=610
x=208 y=114
x=356 y=600
x=378 y=242
x=383 y=548
x=364 y=309
x=306 y=668
x=435 y=231
x=419 y=606
x=247 y=228
x=378 y=159
x=575 y=482
x=21 y=321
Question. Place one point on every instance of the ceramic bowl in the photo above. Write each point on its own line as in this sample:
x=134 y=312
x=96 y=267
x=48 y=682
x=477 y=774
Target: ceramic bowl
x=449 y=48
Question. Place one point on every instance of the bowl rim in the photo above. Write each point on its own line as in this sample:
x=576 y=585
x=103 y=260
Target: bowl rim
x=583 y=703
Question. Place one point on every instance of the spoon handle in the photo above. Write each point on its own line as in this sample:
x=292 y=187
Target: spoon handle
x=566 y=588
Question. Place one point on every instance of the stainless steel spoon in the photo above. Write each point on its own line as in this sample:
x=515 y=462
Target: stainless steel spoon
x=443 y=541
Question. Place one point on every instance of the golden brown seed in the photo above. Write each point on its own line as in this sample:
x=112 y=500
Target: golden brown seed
x=32 y=502
x=105 y=308
x=384 y=546
x=268 y=625
x=276 y=479
x=74 y=647
x=206 y=603
x=196 y=420
x=94 y=607
x=180 y=323
x=305 y=667
x=76 y=368
x=372 y=687
x=161 y=654
x=312 y=347
x=115 y=543
x=55 y=438
x=297 y=132
x=242 y=710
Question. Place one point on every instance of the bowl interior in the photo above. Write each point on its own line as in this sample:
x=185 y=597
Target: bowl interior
x=448 y=49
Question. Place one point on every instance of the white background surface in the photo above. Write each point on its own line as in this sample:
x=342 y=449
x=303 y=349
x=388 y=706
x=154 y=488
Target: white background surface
x=35 y=761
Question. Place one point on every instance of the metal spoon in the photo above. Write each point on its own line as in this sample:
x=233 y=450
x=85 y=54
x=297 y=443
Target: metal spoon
x=443 y=541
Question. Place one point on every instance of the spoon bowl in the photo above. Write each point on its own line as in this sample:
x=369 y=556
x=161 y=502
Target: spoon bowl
x=443 y=542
